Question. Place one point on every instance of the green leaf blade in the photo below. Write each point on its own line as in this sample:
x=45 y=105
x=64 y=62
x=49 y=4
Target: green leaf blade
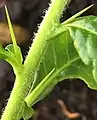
x=28 y=112
x=11 y=30
x=66 y=56
x=3 y=53
x=62 y=55
x=84 y=33
x=16 y=49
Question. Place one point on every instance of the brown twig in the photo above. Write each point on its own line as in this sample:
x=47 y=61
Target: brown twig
x=66 y=112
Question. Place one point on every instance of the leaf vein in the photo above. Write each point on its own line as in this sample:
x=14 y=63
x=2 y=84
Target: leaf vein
x=54 y=55
x=83 y=28
x=68 y=57
x=79 y=67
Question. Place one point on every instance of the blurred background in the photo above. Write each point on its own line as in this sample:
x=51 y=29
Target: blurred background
x=70 y=99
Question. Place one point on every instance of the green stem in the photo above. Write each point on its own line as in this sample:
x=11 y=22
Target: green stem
x=23 y=82
x=12 y=111
x=50 y=22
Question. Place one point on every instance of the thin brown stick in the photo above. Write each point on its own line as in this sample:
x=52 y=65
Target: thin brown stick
x=66 y=112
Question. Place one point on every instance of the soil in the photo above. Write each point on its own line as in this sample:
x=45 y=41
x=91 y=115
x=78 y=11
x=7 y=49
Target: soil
x=70 y=99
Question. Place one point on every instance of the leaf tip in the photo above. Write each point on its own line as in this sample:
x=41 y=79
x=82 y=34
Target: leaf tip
x=91 y=6
x=5 y=8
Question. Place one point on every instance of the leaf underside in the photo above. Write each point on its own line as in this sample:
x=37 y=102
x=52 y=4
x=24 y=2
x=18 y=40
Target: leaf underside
x=72 y=54
x=84 y=33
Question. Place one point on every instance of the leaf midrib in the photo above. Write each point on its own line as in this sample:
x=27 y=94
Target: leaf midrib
x=83 y=28
x=65 y=66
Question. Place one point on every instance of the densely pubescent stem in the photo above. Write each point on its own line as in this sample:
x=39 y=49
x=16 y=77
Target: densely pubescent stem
x=50 y=22
x=24 y=80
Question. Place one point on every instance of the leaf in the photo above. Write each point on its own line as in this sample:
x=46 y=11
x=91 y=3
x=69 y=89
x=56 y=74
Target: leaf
x=11 y=30
x=28 y=112
x=84 y=33
x=13 y=49
x=61 y=55
x=17 y=57
x=3 y=53
x=77 y=14
x=61 y=29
